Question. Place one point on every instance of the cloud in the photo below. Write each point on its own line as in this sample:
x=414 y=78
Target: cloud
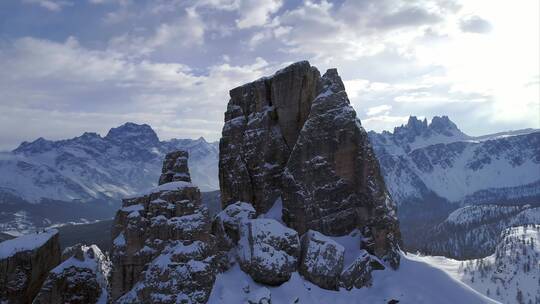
x=408 y=16
x=170 y=63
x=65 y=84
x=51 y=5
x=256 y=12
x=475 y=24
x=383 y=122
x=186 y=31
x=378 y=110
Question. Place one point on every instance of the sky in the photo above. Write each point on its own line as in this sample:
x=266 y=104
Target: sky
x=71 y=66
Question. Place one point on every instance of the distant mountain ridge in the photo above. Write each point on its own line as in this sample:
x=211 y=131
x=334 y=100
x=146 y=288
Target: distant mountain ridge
x=91 y=167
x=419 y=158
x=473 y=231
x=430 y=168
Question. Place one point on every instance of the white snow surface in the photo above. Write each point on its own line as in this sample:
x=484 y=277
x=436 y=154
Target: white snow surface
x=415 y=282
x=275 y=212
x=26 y=242
x=514 y=266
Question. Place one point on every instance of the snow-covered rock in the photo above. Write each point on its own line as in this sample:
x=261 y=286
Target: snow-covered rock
x=227 y=223
x=295 y=136
x=183 y=272
x=358 y=273
x=262 y=123
x=163 y=250
x=268 y=251
x=175 y=168
x=24 y=264
x=414 y=282
x=80 y=278
x=321 y=259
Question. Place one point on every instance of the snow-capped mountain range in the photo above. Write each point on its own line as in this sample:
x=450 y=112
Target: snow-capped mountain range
x=89 y=167
x=431 y=169
x=419 y=159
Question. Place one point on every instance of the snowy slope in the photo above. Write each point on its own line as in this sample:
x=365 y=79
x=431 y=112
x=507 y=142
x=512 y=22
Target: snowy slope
x=414 y=282
x=473 y=231
x=88 y=167
x=510 y=275
x=420 y=159
x=481 y=214
x=24 y=243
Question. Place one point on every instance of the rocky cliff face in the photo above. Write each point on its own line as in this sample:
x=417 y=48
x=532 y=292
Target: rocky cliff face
x=24 y=264
x=295 y=135
x=82 y=277
x=175 y=168
x=163 y=250
x=262 y=123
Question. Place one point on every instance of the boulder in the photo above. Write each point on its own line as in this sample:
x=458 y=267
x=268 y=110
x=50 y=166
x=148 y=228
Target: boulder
x=321 y=260
x=226 y=225
x=358 y=273
x=81 y=278
x=25 y=263
x=182 y=273
x=268 y=251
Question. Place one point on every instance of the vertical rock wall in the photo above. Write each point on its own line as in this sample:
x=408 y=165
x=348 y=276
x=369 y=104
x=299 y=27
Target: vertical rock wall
x=295 y=135
x=262 y=123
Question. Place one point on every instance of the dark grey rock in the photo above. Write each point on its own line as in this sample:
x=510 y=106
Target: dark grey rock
x=321 y=260
x=268 y=251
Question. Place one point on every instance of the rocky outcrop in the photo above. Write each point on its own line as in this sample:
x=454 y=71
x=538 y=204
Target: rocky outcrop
x=227 y=223
x=80 y=278
x=295 y=135
x=24 y=264
x=163 y=250
x=358 y=273
x=268 y=251
x=321 y=260
x=262 y=123
x=175 y=168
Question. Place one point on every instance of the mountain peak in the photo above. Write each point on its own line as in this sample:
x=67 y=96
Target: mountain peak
x=438 y=125
x=38 y=145
x=443 y=125
x=132 y=132
x=416 y=124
